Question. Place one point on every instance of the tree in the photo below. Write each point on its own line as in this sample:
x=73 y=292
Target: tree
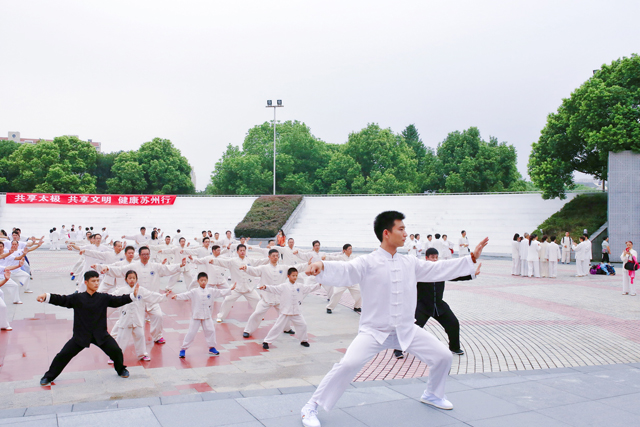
x=412 y=138
x=600 y=116
x=166 y=170
x=127 y=175
x=61 y=166
x=102 y=172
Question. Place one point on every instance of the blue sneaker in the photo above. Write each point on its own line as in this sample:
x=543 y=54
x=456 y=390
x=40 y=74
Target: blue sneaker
x=73 y=278
x=182 y=353
x=213 y=352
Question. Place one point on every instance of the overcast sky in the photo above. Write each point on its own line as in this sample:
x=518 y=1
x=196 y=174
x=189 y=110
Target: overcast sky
x=199 y=72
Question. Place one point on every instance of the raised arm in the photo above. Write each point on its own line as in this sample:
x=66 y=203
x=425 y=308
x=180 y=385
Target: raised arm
x=338 y=273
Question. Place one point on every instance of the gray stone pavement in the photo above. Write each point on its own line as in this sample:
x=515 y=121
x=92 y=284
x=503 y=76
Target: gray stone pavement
x=604 y=395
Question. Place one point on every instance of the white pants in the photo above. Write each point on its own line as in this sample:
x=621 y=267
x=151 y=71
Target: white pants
x=77 y=268
x=296 y=319
x=523 y=266
x=14 y=287
x=4 y=323
x=155 y=327
x=426 y=347
x=252 y=297
x=124 y=335
x=627 y=286
x=534 y=268
x=586 y=264
x=582 y=267
x=553 y=268
x=337 y=295
x=544 y=268
x=194 y=327
x=566 y=255
x=258 y=316
x=22 y=277
x=515 y=267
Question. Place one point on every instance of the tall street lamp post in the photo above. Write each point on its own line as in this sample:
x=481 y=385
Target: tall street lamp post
x=270 y=105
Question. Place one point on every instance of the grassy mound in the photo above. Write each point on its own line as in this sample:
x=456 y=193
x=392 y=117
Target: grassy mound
x=267 y=215
x=584 y=211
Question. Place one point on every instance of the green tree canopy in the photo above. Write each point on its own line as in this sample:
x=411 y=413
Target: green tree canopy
x=600 y=116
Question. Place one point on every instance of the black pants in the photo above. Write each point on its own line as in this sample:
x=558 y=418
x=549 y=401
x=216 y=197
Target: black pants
x=605 y=258
x=71 y=349
x=446 y=318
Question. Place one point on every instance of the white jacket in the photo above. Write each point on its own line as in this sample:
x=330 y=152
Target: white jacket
x=581 y=251
x=148 y=274
x=244 y=282
x=291 y=296
x=515 y=250
x=553 y=252
x=533 y=250
x=274 y=275
x=202 y=300
x=107 y=258
x=140 y=239
x=287 y=256
x=132 y=314
x=524 y=248
x=217 y=275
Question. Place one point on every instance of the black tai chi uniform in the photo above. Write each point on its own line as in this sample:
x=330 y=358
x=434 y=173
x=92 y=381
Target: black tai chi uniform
x=431 y=304
x=89 y=327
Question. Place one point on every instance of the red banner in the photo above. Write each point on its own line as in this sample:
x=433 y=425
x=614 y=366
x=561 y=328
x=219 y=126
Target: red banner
x=91 y=199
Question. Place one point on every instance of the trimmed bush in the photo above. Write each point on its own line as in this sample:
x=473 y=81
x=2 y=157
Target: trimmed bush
x=584 y=211
x=267 y=215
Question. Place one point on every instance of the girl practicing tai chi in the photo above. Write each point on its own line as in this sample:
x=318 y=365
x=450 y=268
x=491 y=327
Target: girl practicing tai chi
x=388 y=284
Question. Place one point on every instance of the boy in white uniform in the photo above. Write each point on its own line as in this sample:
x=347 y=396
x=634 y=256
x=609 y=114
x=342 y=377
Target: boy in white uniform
x=131 y=321
x=201 y=305
x=217 y=275
x=291 y=296
x=388 y=322
x=315 y=255
x=270 y=274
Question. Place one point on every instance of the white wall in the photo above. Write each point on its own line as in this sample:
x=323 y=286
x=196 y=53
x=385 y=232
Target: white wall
x=190 y=214
x=338 y=220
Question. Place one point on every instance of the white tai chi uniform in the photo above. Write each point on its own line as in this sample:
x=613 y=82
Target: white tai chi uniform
x=10 y=285
x=627 y=286
x=388 y=284
x=18 y=276
x=245 y=285
x=287 y=255
x=201 y=306
x=89 y=260
x=566 y=243
x=515 y=258
x=216 y=275
x=4 y=322
x=354 y=290
x=446 y=249
x=55 y=241
x=553 y=252
x=524 y=252
x=140 y=239
x=463 y=250
x=412 y=247
x=582 y=260
x=179 y=252
x=131 y=320
x=149 y=277
x=533 y=258
x=272 y=275
x=291 y=297
x=314 y=256
x=109 y=283
x=544 y=259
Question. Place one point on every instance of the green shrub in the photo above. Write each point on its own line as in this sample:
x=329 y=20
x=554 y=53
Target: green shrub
x=267 y=215
x=584 y=211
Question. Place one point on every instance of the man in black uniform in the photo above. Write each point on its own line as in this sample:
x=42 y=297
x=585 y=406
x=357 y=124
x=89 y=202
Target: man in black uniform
x=431 y=304
x=89 y=325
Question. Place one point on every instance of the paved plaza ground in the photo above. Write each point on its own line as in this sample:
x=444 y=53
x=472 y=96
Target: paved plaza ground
x=531 y=345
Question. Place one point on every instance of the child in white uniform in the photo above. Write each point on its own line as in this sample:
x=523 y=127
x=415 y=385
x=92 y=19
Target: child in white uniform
x=131 y=321
x=201 y=306
x=291 y=296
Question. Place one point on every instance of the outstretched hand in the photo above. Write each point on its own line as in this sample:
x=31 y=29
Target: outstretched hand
x=478 y=269
x=41 y=298
x=314 y=268
x=135 y=291
x=243 y=268
x=478 y=250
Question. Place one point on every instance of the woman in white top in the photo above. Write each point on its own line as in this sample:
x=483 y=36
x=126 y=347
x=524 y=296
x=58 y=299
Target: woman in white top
x=533 y=259
x=524 y=249
x=582 y=258
x=544 y=256
x=628 y=287
x=515 y=255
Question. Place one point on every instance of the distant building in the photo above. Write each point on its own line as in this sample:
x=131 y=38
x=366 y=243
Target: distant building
x=15 y=137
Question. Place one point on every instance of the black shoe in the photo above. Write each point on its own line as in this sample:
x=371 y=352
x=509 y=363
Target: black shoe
x=304 y=344
x=290 y=332
x=124 y=373
x=265 y=345
x=329 y=311
x=458 y=352
x=245 y=334
x=398 y=354
x=357 y=310
x=44 y=381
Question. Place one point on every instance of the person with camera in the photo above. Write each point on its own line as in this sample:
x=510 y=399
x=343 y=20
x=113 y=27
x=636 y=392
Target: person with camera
x=629 y=255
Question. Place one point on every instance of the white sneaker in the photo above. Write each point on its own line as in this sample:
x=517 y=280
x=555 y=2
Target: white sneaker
x=432 y=400
x=219 y=320
x=310 y=417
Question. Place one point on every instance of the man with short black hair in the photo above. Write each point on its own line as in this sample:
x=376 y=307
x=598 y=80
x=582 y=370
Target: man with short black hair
x=388 y=322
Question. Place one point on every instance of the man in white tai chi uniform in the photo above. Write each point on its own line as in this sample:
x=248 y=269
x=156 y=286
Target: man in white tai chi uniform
x=388 y=284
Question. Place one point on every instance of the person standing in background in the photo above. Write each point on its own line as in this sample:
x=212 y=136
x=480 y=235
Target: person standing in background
x=606 y=250
x=515 y=255
x=566 y=244
x=544 y=257
x=463 y=245
x=524 y=251
x=629 y=254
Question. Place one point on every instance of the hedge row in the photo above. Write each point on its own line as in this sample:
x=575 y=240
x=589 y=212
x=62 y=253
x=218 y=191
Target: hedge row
x=584 y=211
x=267 y=215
